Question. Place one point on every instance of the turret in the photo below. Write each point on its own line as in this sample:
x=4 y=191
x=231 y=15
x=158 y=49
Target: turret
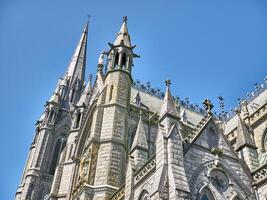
x=121 y=53
x=110 y=172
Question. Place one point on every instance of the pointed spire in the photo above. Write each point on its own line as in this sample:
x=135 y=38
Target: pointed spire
x=243 y=137
x=77 y=65
x=123 y=35
x=140 y=140
x=86 y=93
x=168 y=104
x=55 y=97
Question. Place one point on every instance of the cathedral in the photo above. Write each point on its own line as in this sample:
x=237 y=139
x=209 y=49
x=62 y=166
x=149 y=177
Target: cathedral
x=113 y=138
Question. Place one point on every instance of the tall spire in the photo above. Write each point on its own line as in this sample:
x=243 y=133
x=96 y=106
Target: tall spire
x=168 y=104
x=76 y=69
x=123 y=35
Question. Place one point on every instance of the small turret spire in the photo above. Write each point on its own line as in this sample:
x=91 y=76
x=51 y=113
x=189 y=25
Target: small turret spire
x=243 y=136
x=140 y=140
x=84 y=100
x=123 y=36
x=168 y=104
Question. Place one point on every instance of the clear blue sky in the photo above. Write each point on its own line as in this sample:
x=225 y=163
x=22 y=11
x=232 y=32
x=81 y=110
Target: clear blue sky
x=207 y=48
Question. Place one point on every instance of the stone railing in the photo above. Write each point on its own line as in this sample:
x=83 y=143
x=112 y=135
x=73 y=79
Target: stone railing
x=260 y=174
x=259 y=88
x=151 y=164
x=146 y=87
x=119 y=194
x=199 y=126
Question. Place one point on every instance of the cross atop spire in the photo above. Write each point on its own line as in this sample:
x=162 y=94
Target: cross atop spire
x=125 y=18
x=168 y=82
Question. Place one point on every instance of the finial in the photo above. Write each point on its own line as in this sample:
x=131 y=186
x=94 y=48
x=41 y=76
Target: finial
x=208 y=105
x=88 y=17
x=238 y=111
x=125 y=18
x=168 y=82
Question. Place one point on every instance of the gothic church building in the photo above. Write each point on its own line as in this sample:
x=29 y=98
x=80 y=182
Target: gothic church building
x=115 y=139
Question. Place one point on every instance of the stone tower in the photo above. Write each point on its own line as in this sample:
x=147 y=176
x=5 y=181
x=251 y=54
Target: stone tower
x=53 y=128
x=117 y=83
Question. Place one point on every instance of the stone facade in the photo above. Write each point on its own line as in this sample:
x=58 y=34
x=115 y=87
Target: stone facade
x=113 y=140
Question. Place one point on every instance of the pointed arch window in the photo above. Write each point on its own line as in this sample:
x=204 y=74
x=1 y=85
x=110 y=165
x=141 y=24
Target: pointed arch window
x=51 y=116
x=116 y=61
x=78 y=119
x=144 y=196
x=123 y=61
x=206 y=194
x=111 y=92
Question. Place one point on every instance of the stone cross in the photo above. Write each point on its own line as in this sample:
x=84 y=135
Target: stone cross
x=238 y=111
x=168 y=82
x=125 y=18
x=208 y=105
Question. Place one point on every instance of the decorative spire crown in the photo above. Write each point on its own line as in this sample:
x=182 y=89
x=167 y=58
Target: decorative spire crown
x=208 y=105
x=123 y=36
x=169 y=105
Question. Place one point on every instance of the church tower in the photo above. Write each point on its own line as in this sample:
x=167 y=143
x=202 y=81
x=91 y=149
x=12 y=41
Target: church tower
x=118 y=81
x=53 y=128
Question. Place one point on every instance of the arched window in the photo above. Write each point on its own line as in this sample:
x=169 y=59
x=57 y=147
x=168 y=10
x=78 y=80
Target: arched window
x=123 y=61
x=144 y=196
x=116 y=61
x=59 y=146
x=78 y=119
x=51 y=116
x=264 y=141
x=111 y=92
x=213 y=138
x=206 y=194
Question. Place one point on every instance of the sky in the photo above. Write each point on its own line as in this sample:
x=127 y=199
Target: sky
x=207 y=48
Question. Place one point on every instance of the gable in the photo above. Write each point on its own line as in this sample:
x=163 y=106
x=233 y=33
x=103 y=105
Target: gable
x=210 y=150
x=209 y=136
